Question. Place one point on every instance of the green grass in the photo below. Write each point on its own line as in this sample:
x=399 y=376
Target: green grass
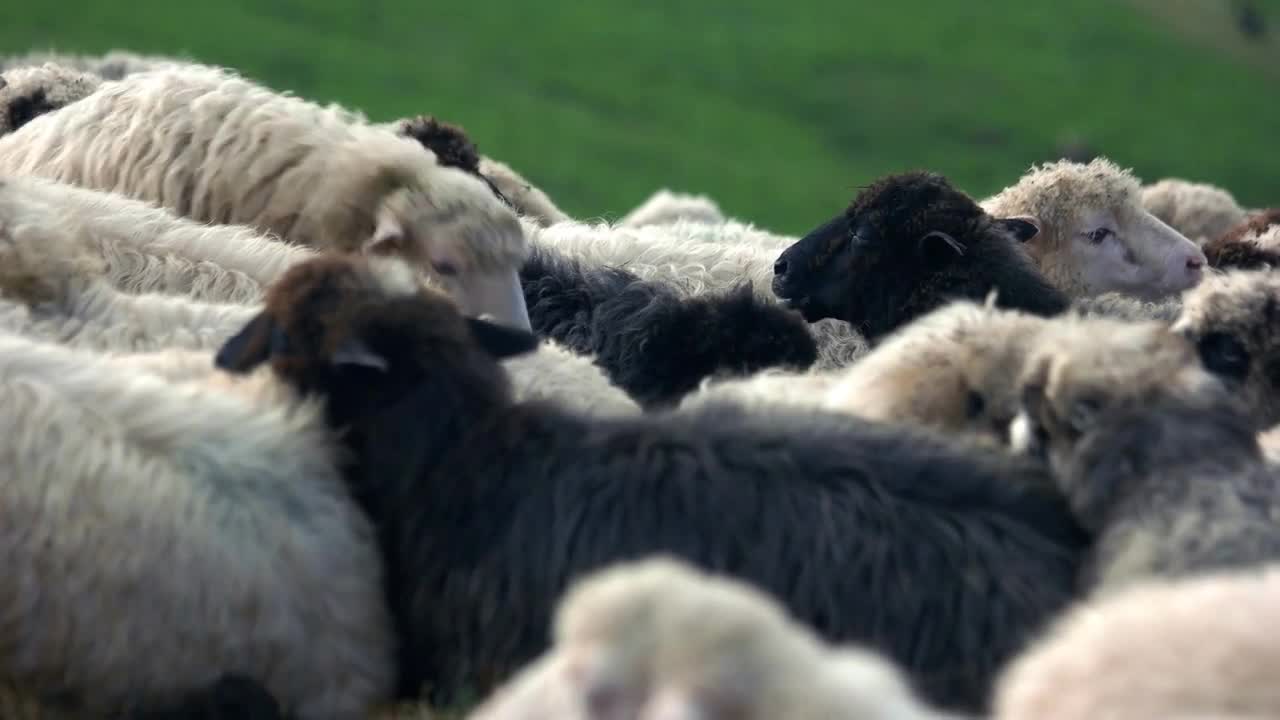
x=777 y=110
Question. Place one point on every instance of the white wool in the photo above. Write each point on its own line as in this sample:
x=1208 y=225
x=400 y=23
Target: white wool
x=665 y=207
x=216 y=147
x=553 y=372
x=157 y=534
x=529 y=200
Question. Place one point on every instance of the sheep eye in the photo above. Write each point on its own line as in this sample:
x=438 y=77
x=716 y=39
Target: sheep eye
x=974 y=405
x=1097 y=236
x=444 y=269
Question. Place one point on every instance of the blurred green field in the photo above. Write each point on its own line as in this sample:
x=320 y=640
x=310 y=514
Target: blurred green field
x=777 y=110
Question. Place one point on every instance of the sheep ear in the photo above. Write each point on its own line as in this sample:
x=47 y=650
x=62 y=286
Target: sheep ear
x=387 y=237
x=501 y=341
x=1021 y=228
x=938 y=248
x=353 y=352
x=248 y=348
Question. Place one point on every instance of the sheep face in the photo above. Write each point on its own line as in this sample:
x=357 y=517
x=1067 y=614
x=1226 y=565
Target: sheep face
x=1081 y=369
x=1128 y=250
x=1234 y=322
x=473 y=250
x=364 y=332
x=905 y=245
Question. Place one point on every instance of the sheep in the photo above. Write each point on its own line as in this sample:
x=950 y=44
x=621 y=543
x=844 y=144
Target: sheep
x=1234 y=321
x=651 y=340
x=1166 y=648
x=28 y=92
x=945 y=557
x=112 y=65
x=1269 y=441
x=230 y=697
x=529 y=200
x=1095 y=236
x=1156 y=457
x=665 y=207
x=700 y=259
x=54 y=285
x=907 y=244
x=912 y=242
x=215 y=147
x=1199 y=211
x=656 y=638
x=1251 y=245
x=146 y=248
x=191 y=529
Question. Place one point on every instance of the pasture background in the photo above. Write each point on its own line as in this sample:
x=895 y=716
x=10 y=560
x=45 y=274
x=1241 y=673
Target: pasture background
x=777 y=110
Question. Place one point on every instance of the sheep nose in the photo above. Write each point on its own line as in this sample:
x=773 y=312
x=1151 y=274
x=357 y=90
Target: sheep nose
x=1195 y=262
x=780 y=268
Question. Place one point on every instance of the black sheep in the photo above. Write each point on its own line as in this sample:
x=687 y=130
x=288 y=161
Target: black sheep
x=652 y=340
x=907 y=244
x=943 y=556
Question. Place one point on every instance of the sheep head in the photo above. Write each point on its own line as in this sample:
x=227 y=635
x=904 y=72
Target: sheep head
x=1234 y=321
x=363 y=331
x=907 y=244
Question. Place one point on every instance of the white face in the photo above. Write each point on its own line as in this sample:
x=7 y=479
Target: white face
x=1133 y=253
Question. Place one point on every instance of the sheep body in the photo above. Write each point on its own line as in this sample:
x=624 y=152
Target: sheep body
x=529 y=200
x=215 y=147
x=488 y=508
x=653 y=341
x=28 y=92
x=1252 y=245
x=230 y=542
x=665 y=207
x=1192 y=647
x=111 y=65
x=1198 y=210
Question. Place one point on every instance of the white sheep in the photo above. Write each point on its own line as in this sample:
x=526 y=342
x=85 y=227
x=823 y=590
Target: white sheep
x=665 y=207
x=1095 y=236
x=1200 y=647
x=1200 y=211
x=146 y=248
x=656 y=639
x=56 y=284
x=156 y=534
x=111 y=65
x=28 y=92
x=215 y=147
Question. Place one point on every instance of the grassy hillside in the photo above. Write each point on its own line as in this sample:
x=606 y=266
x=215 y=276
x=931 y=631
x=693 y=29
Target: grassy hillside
x=778 y=110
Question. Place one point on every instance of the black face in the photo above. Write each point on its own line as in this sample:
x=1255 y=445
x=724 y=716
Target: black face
x=1224 y=355
x=813 y=275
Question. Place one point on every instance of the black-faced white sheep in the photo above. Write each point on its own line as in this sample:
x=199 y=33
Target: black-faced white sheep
x=907 y=244
x=159 y=534
x=942 y=556
x=216 y=147
x=657 y=639
x=1199 y=211
x=1188 y=648
x=1252 y=245
x=652 y=340
x=29 y=92
x=1156 y=457
x=1095 y=236
x=1234 y=321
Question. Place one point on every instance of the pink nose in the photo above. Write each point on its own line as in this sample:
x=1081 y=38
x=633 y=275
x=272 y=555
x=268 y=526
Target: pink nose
x=1195 y=262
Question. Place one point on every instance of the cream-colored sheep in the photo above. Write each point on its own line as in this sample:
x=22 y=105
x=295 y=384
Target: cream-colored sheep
x=1198 y=210
x=157 y=534
x=1193 y=648
x=527 y=198
x=665 y=207
x=1234 y=320
x=655 y=639
x=145 y=248
x=215 y=147
x=1095 y=236
x=28 y=92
